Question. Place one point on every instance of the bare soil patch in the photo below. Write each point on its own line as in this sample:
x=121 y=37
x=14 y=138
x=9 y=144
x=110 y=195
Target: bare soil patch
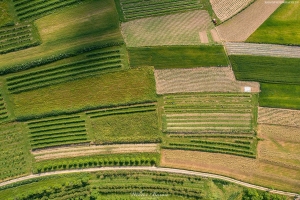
x=203 y=37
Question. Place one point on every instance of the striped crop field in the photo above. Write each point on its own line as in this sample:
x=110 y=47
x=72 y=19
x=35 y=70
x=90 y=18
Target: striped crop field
x=225 y=9
x=175 y=29
x=17 y=37
x=137 y=123
x=3 y=109
x=136 y=9
x=209 y=113
x=31 y=10
x=57 y=131
x=102 y=60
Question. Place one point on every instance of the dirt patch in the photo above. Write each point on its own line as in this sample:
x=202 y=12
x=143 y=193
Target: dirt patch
x=215 y=35
x=203 y=37
x=241 y=26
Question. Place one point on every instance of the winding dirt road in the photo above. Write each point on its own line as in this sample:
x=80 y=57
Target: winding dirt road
x=156 y=169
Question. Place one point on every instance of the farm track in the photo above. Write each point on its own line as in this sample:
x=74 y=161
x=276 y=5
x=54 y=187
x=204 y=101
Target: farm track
x=241 y=26
x=225 y=9
x=262 y=50
x=212 y=79
x=155 y=169
x=175 y=29
x=279 y=116
x=64 y=152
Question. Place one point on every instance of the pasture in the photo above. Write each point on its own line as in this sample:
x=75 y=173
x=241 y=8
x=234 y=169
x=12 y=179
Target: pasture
x=166 y=57
x=280 y=27
x=6 y=15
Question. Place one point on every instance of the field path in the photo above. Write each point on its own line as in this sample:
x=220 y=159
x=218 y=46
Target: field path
x=155 y=169
x=241 y=26
x=262 y=50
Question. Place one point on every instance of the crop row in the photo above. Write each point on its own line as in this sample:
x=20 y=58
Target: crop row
x=15 y=29
x=221 y=143
x=51 y=120
x=59 y=142
x=3 y=110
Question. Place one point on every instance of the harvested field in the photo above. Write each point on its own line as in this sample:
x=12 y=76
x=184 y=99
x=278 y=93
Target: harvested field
x=240 y=27
x=203 y=37
x=263 y=50
x=279 y=116
x=215 y=35
x=76 y=151
x=176 y=29
x=211 y=79
x=225 y=9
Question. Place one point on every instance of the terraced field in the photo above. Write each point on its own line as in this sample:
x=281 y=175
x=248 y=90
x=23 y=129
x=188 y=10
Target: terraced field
x=262 y=50
x=130 y=10
x=277 y=116
x=225 y=9
x=204 y=79
x=101 y=60
x=57 y=131
x=175 y=29
x=18 y=37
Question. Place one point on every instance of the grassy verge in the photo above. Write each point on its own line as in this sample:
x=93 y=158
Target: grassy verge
x=178 y=56
x=266 y=69
x=280 y=27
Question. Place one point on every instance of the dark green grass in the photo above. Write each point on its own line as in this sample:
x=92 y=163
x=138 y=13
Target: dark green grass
x=178 y=56
x=282 y=27
x=266 y=69
x=280 y=96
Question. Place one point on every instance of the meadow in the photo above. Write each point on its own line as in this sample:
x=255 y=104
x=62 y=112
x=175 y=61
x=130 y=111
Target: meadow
x=280 y=27
x=178 y=56
x=6 y=16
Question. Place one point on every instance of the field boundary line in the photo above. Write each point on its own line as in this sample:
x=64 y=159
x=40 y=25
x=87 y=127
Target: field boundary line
x=156 y=169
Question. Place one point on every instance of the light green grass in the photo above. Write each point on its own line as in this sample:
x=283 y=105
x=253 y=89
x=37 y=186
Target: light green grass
x=126 y=128
x=178 y=56
x=281 y=27
x=136 y=85
x=266 y=69
x=280 y=96
x=6 y=14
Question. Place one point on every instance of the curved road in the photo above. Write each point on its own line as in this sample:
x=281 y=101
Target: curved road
x=156 y=169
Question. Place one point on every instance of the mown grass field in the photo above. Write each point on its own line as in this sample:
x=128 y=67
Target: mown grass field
x=178 y=56
x=280 y=27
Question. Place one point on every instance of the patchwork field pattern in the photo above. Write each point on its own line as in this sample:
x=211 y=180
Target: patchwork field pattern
x=101 y=60
x=17 y=37
x=241 y=26
x=175 y=29
x=57 y=131
x=204 y=79
x=130 y=10
x=84 y=150
x=277 y=116
x=225 y=9
x=262 y=50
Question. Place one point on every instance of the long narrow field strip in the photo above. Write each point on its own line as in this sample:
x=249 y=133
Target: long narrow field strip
x=17 y=37
x=225 y=9
x=80 y=150
x=204 y=79
x=14 y=147
x=277 y=116
x=57 y=131
x=262 y=50
x=176 y=29
x=136 y=108
x=129 y=10
x=3 y=110
x=241 y=26
x=101 y=60
x=31 y=10
x=214 y=113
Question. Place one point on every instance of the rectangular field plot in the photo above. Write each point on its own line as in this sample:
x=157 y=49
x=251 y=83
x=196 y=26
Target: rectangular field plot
x=57 y=131
x=135 y=123
x=129 y=10
x=97 y=61
x=18 y=37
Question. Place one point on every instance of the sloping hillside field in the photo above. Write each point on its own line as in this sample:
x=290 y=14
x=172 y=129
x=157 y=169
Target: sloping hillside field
x=148 y=99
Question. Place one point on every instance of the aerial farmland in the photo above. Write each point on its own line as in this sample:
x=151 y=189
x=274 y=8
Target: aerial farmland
x=147 y=99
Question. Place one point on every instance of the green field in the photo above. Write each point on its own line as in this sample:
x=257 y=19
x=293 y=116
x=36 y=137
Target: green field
x=178 y=56
x=136 y=85
x=129 y=185
x=266 y=69
x=280 y=27
x=6 y=15
x=280 y=96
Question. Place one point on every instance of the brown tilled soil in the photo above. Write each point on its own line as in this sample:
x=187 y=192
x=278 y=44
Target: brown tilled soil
x=203 y=37
x=215 y=35
x=64 y=152
x=241 y=26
